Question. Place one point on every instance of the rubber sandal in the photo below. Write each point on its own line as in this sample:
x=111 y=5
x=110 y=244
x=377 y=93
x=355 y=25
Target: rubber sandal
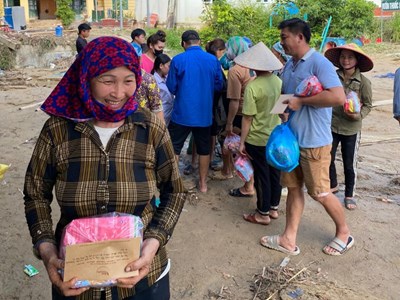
x=348 y=202
x=238 y=193
x=271 y=242
x=252 y=219
x=339 y=246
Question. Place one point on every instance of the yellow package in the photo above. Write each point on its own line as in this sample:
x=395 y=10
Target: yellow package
x=3 y=169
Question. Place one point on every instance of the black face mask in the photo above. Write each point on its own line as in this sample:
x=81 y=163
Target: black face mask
x=158 y=52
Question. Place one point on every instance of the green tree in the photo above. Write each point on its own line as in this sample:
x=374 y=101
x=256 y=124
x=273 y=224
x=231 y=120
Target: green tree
x=357 y=26
x=65 y=12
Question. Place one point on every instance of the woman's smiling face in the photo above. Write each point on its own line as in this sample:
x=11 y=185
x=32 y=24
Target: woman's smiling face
x=113 y=88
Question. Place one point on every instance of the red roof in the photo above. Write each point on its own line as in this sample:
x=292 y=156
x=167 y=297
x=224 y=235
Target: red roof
x=386 y=13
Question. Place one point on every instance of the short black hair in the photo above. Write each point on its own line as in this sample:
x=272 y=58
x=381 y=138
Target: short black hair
x=83 y=26
x=296 y=26
x=137 y=32
x=190 y=35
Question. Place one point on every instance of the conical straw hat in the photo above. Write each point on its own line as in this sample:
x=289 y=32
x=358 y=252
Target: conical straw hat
x=364 y=62
x=259 y=58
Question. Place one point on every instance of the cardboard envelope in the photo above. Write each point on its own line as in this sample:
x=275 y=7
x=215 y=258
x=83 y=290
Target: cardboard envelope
x=101 y=261
x=279 y=107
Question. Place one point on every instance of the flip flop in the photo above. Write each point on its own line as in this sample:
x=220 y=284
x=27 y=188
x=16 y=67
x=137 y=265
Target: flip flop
x=348 y=202
x=238 y=193
x=252 y=219
x=272 y=242
x=339 y=246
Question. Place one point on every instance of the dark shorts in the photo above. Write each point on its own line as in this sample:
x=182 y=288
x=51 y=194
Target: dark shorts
x=201 y=137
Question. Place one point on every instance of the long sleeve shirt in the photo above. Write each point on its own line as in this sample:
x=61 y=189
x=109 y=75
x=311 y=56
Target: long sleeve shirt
x=193 y=77
x=89 y=179
x=396 y=96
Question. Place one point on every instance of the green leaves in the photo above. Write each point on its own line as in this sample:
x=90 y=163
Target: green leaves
x=65 y=12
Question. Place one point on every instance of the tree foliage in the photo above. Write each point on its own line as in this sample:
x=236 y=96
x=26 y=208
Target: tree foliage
x=65 y=12
x=350 y=19
x=224 y=20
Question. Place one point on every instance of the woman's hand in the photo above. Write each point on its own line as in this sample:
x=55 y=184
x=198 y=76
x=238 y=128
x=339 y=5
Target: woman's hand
x=352 y=116
x=149 y=250
x=48 y=253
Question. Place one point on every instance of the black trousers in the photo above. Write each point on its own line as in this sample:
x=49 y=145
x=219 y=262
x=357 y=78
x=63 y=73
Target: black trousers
x=158 y=291
x=266 y=180
x=349 y=147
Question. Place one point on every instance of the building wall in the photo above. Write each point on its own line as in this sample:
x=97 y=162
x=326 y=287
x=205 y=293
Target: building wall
x=188 y=11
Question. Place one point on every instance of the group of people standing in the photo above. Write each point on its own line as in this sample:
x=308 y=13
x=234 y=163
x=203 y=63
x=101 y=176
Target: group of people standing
x=122 y=112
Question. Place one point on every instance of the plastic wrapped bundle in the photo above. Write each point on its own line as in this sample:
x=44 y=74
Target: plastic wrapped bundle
x=309 y=87
x=232 y=143
x=107 y=227
x=282 y=150
x=243 y=167
x=352 y=104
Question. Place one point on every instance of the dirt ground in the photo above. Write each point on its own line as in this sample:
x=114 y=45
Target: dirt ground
x=216 y=254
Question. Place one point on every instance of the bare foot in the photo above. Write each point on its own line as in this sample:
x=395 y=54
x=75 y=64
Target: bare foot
x=202 y=188
x=273 y=214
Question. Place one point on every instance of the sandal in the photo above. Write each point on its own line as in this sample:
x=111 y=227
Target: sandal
x=252 y=219
x=238 y=193
x=272 y=242
x=350 y=203
x=339 y=246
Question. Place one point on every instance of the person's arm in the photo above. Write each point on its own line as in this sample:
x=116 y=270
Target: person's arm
x=38 y=187
x=172 y=78
x=233 y=94
x=172 y=198
x=246 y=124
x=219 y=80
x=396 y=96
x=327 y=98
x=154 y=99
x=366 y=98
x=249 y=110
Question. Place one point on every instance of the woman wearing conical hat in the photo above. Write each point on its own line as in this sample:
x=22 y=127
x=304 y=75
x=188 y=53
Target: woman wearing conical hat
x=346 y=125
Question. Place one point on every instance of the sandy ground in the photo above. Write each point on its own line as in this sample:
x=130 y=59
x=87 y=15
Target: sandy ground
x=215 y=253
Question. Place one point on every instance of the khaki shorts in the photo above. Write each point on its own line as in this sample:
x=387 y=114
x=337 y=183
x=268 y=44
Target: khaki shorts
x=313 y=171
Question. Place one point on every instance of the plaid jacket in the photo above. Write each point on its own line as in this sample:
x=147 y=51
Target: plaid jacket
x=89 y=180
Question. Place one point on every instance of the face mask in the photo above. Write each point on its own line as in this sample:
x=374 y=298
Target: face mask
x=158 y=52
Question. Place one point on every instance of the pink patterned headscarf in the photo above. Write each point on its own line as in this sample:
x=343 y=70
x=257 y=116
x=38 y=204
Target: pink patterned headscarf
x=72 y=97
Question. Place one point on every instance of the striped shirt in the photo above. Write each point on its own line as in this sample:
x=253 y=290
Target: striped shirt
x=90 y=180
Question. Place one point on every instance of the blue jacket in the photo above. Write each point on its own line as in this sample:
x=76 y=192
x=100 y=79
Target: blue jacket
x=396 y=96
x=193 y=77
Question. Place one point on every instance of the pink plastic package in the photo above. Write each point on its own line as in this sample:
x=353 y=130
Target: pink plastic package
x=232 y=143
x=309 y=87
x=243 y=167
x=352 y=104
x=111 y=226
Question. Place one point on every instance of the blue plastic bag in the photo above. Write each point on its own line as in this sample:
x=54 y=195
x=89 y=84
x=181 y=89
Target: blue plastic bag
x=282 y=150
